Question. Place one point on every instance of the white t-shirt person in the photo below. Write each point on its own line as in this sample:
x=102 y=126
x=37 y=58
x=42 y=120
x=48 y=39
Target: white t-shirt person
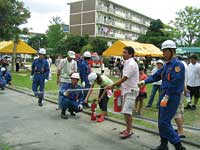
x=131 y=71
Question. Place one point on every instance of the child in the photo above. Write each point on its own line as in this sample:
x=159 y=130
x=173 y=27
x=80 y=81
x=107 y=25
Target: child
x=142 y=93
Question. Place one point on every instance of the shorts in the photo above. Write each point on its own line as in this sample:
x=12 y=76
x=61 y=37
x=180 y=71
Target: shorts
x=128 y=102
x=194 y=91
x=142 y=95
x=180 y=110
x=104 y=101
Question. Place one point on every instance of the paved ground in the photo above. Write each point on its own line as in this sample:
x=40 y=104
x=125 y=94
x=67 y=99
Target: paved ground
x=26 y=126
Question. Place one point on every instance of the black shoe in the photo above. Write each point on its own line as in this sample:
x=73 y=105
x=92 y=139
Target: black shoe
x=63 y=116
x=72 y=113
x=162 y=147
x=40 y=104
x=182 y=136
x=189 y=106
x=179 y=146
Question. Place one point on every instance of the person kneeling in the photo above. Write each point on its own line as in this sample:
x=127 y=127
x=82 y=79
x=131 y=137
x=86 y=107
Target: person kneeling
x=2 y=78
x=72 y=97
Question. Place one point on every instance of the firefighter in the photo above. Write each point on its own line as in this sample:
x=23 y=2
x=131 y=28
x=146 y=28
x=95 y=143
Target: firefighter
x=40 y=75
x=84 y=72
x=72 y=96
x=173 y=76
x=2 y=78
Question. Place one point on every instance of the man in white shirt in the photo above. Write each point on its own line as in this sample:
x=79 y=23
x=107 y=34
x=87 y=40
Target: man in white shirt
x=129 y=89
x=66 y=67
x=193 y=82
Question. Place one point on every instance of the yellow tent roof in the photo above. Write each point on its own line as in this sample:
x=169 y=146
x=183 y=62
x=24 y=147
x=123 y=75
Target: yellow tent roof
x=22 y=48
x=141 y=49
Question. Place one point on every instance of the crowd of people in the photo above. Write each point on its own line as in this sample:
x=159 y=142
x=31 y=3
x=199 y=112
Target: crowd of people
x=171 y=77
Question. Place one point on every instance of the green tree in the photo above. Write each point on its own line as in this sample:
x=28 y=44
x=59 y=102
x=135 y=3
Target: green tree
x=99 y=45
x=38 y=41
x=76 y=42
x=187 y=23
x=55 y=36
x=155 y=34
x=12 y=15
x=87 y=47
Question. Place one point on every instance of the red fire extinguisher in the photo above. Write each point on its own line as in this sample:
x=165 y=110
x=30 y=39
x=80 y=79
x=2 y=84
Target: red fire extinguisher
x=93 y=110
x=117 y=101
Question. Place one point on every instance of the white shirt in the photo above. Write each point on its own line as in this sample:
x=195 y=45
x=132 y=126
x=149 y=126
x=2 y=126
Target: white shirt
x=186 y=71
x=130 y=71
x=193 y=75
x=67 y=68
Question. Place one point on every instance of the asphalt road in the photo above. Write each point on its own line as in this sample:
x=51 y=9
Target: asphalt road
x=26 y=126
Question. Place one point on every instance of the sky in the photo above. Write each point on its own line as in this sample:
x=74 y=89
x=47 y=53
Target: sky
x=43 y=10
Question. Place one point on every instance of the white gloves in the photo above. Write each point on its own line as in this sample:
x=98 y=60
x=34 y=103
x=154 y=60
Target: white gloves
x=83 y=84
x=31 y=77
x=141 y=83
x=80 y=107
x=45 y=80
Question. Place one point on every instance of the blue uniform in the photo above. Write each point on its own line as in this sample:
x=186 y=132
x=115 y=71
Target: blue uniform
x=84 y=72
x=2 y=80
x=73 y=99
x=8 y=76
x=173 y=76
x=40 y=70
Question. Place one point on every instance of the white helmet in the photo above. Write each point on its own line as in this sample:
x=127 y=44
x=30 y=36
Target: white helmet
x=87 y=54
x=75 y=76
x=42 y=51
x=168 y=44
x=3 y=69
x=159 y=62
x=92 y=77
x=71 y=54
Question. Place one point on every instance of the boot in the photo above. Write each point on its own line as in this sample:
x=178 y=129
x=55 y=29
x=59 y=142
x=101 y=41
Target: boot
x=163 y=145
x=101 y=118
x=40 y=102
x=179 y=146
x=63 y=115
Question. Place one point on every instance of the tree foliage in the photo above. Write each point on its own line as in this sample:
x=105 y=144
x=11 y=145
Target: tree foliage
x=187 y=24
x=76 y=43
x=155 y=34
x=55 y=35
x=38 y=41
x=12 y=15
x=99 y=45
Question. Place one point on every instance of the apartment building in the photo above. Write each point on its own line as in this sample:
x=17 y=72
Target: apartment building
x=104 y=18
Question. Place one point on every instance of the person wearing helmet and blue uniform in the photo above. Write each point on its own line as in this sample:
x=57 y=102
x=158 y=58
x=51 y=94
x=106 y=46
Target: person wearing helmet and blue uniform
x=2 y=78
x=172 y=75
x=84 y=72
x=40 y=75
x=72 y=96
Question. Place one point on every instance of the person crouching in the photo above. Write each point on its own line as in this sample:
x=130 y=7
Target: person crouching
x=72 y=97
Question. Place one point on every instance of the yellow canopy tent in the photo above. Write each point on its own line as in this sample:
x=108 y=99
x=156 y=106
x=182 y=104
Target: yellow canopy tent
x=6 y=47
x=141 y=49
